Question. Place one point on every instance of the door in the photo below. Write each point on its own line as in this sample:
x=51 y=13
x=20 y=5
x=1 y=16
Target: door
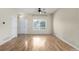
x=22 y=25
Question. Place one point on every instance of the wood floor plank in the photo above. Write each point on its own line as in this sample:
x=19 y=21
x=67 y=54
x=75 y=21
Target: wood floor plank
x=36 y=43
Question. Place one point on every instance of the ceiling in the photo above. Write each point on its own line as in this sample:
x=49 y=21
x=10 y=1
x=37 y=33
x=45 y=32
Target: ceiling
x=33 y=10
x=13 y=11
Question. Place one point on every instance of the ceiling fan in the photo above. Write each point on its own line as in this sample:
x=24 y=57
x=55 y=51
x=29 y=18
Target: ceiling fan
x=41 y=11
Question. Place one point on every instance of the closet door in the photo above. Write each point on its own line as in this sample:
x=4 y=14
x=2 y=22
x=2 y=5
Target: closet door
x=22 y=25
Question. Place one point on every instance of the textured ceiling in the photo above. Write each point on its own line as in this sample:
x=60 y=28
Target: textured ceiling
x=25 y=10
x=33 y=10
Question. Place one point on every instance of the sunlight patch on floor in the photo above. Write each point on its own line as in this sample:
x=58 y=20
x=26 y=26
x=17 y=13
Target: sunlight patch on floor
x=38 y=42
x=26 y=44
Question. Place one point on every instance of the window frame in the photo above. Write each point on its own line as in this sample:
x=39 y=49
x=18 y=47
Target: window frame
x=39 y=21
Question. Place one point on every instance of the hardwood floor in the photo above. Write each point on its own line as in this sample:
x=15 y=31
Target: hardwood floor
x=36 y=43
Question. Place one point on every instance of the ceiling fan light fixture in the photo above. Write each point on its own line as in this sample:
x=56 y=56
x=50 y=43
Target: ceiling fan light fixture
x=39 y=10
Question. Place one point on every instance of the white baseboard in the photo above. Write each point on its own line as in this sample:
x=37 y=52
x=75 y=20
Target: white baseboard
x=7 y=39
x=66 y=41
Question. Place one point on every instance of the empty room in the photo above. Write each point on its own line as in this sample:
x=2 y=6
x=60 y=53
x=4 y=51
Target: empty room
x=39 y=29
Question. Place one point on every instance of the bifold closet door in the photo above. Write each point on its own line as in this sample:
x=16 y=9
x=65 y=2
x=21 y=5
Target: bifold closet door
x=22 y=26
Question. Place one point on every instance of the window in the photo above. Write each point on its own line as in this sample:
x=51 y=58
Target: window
x=39 y=24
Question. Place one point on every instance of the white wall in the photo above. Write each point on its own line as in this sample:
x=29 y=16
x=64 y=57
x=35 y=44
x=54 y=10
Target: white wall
x=26 y=23
x=6 y=30
x=66 y=25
